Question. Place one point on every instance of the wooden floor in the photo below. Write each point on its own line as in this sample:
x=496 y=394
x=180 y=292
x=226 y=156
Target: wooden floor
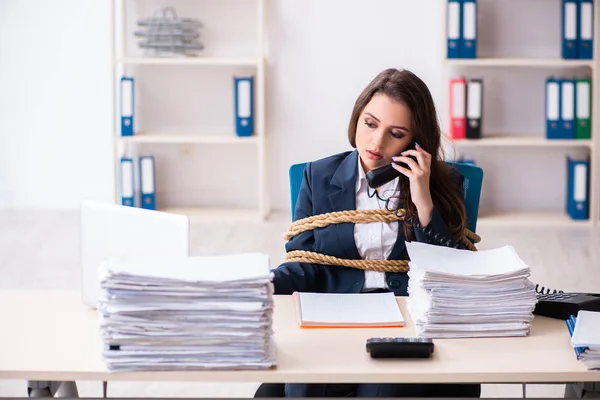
x=40 y=250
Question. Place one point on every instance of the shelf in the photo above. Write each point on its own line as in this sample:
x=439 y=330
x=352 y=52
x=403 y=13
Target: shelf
x=182 y=135
x=521 y=141
x=209 y=214
x=518 y=62
x=151 y=137
x=252 y=62
x=528 y=219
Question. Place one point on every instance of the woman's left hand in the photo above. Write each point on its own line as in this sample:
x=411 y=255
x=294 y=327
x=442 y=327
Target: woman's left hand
x=418 y=174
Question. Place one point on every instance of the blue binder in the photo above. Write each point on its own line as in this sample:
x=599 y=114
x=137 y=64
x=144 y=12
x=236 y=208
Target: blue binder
x=586 y=29
x=578 y=189
x=469 y=29
x=127 y=191
x=571 y=328
x=127 y=92
x=569 y=30
x=553 y=106
x=454 y=28
x=244 y=106
x=147 y=182
x=567 y=109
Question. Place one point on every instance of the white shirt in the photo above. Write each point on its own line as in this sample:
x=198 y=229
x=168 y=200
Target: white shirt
x=375 y=240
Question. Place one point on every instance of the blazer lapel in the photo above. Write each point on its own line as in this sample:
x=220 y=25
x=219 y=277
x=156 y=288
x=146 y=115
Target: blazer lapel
x=344 y=198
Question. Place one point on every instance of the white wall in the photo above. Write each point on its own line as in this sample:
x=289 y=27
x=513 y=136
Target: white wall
x=55 y=124
x=54 y=103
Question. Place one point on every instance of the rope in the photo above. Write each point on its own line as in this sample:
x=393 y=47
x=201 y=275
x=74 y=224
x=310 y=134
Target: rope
x=370 y=265
x=356 y=216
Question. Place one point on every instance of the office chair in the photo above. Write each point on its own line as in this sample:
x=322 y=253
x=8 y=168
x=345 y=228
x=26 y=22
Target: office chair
x=473 y=180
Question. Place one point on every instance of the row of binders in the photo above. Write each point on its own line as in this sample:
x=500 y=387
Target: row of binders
x=243 y=95
x=193 y=313
x=462 y=28
x=577 y=29
x=568 y=108
x=147 y=182
x=466 y=108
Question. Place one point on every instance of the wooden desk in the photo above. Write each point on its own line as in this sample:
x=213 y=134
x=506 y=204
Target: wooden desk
x=51 y=335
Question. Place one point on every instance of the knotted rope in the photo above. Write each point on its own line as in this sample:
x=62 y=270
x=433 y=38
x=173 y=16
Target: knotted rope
x=356 y=216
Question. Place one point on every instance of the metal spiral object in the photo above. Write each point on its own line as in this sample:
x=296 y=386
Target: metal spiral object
x=166 y=34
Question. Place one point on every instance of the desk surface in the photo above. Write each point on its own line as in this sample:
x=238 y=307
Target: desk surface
x=51 y=335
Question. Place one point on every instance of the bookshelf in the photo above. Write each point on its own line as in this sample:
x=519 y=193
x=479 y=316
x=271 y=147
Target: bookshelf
x=517 y=62
x=505 y=147
x=235 y=45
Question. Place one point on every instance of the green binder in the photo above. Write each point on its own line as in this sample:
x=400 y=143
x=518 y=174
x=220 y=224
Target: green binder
x=583 y=108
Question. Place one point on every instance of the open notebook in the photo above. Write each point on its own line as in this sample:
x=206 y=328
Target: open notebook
x=347 y=310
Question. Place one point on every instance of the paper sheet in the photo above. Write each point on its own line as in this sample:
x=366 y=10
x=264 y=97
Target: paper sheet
x=348 y=309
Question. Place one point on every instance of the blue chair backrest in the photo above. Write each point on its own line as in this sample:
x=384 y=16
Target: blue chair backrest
x=473 y=179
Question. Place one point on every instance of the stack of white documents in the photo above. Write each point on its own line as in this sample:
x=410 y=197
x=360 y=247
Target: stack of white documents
x=461 y=293
x=585 y=338
x=188 y=313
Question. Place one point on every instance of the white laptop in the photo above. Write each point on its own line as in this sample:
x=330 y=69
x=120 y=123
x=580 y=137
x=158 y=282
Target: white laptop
x=111 y=230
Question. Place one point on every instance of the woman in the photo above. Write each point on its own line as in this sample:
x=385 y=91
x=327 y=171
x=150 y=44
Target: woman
x=393 y=120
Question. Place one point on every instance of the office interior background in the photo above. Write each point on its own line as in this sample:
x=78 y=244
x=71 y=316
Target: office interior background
x=60 y=70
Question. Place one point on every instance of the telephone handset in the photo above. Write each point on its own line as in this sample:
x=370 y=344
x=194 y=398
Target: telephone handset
x=380 y=176
x=560 y=305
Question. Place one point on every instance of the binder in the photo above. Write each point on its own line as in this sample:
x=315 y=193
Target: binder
x=127 y=106
x=127 y=191
x=453 y=31
x=570 y=46
x=578 y=189
x=583 y=109
x=244 y=99
x=567 y=110
x=553 y=121
x=469 y=29
x=474 y=108
x=458 y=94
x=147 y=182
x=586 y=29
x=571 y=327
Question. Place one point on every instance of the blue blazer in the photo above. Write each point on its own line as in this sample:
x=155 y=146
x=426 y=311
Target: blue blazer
x=329 y=185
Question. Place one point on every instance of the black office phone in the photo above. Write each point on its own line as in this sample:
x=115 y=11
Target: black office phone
x=382 y=175
x=560 y=305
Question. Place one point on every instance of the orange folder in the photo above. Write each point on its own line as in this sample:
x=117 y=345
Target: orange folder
x=347 y=310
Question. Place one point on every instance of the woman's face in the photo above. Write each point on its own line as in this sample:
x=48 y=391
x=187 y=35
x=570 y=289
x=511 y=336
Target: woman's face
x=383 y=131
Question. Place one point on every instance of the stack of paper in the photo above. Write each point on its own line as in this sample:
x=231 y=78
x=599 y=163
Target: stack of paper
x=585 y=339
x=188 y=313
x=462 y=293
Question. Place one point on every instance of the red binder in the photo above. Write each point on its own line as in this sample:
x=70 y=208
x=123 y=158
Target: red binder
x=458 y=102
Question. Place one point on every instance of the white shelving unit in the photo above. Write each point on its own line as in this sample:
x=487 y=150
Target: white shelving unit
x=529 y=142
x=518 y=62
x=122 y=62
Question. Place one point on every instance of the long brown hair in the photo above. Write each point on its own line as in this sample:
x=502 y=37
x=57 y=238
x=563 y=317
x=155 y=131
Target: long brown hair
x=408 y=89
